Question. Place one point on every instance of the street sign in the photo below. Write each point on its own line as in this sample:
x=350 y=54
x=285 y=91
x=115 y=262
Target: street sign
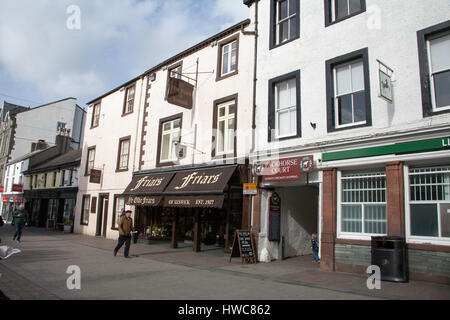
x=250 y=189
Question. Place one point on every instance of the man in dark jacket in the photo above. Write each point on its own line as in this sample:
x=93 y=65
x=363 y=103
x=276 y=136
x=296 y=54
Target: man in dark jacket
x=20 y=217
x=125 y=231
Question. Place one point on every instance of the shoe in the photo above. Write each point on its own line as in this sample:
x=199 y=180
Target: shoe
x=128 y=258
x=115 y=253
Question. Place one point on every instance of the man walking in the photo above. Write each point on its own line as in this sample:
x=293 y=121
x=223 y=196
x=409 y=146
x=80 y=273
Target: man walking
x=125 y=230
x=20 y=217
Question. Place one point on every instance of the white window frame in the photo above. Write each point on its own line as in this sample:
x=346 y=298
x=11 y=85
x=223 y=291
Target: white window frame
x=279 y=22
x=336 y=104
x=90 y=163
x=85 y=217
x=96 y=115
x=225 y=119
x=353 y=235
x=130 y=101
x=288 y=109
x=122 y=154
x=431 y=73
x=172 y=131
x=117 y=212
x=419 y=239
x=230 y=54
x=334 y=12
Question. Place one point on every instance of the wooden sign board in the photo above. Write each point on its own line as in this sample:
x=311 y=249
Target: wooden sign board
x=96 y=176
x=243 y=246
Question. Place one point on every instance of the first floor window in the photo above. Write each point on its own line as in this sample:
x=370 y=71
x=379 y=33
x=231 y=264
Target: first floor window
x=438 y=51
x=124 y=150
x=363 y=203
x=429 y=202
x=118 y=208
x=286 y=108
x=85 y=207
x=90 y=160
x=170 y=136
x=286 y=20
x=226 y=117
x=349 y=101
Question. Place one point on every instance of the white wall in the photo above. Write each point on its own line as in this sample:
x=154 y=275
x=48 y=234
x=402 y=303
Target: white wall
x=394 y=43
x=41 y=123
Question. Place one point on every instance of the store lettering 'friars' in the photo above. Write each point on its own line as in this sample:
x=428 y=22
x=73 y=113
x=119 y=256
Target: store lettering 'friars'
x=193 y=178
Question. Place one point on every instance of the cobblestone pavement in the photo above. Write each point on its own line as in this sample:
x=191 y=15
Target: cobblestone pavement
x=158 y=272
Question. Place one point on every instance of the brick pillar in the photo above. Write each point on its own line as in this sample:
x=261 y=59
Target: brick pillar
x=328 y=235
x=395 y=197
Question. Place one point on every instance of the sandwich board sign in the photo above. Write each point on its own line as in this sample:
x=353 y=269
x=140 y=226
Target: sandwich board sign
x=243 y=246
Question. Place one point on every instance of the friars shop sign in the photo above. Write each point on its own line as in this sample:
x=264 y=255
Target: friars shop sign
x=287 y=169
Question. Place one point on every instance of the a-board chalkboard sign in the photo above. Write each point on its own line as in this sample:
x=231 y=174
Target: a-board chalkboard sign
x=243 y=246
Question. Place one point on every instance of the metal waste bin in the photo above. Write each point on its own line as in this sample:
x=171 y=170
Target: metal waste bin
x=389 y=253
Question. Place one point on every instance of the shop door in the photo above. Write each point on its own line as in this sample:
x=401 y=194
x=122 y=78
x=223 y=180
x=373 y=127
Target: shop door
x=102 y=216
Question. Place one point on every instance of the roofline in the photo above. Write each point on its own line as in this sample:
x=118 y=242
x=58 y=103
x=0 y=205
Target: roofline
x=71 y=164
x=47 y=104
x=184 y=53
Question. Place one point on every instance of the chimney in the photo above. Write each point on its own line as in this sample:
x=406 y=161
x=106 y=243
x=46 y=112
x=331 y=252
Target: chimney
x=63 y=140
x=40 y=145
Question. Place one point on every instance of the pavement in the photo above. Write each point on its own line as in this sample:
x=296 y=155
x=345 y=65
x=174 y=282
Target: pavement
x=157 y=272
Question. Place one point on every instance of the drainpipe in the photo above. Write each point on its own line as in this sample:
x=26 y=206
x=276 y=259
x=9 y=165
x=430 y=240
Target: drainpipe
x=255 y=79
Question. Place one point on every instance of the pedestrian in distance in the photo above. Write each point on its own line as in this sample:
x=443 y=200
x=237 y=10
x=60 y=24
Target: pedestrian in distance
x=1 y=225
x=20 y=217
x=315 y=247
x=126 y=229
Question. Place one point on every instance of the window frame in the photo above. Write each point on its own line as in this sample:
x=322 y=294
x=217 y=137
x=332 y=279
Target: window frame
x=87 y=172
x=125 y=110
x=413 y=239
x=113 y=220
x=160 y=132
x=354 y=235
x=274 y=23
x=330 y=65
x=217 y=104
x=169 y=71
x=328 y=13
x=272 y=106
x=221 y=46
x=119 y=154
x=423 y=37
x=82 y=222
x=94 y=116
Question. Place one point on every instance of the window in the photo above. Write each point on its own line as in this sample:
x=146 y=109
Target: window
x=176 y=72
x=224 y=127
x=60 y=126
x=170 y=132
x=362 y=203
x=284 y=107
x=54 y=179
x=70 y=177
x=63 y=176
x=45 y=181
x=123 y=156
x=285 y=21
x=35 y=181
x=348 y=91
x=338 y=10
x=129 y=100
x=227 y=60
x=119 y=205
x=90 y=160
x=85 y=206
x=95 y=115
x=429 y=202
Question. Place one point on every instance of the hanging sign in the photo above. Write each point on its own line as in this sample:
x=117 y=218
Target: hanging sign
x=385 y=77
x=96 y=176
x=287 y=169
x=17 y=188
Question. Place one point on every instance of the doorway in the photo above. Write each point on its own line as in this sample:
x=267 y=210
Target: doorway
x=102 y=215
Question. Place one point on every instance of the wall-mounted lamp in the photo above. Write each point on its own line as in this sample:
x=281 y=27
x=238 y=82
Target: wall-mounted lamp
x=313 y=125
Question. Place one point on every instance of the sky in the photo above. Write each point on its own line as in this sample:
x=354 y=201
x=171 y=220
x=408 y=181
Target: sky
x=54 y=49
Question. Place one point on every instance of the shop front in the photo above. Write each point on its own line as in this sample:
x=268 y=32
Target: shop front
x=395 y=189
x=190 y=207
x=10 y=203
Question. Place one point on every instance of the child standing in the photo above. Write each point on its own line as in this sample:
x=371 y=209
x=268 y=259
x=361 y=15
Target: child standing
x=315 y=247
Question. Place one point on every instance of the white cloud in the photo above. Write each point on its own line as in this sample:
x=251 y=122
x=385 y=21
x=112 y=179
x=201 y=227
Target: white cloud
x=118 y=40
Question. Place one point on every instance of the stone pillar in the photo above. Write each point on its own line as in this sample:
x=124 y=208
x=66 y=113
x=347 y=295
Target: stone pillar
x=329 y=203
x=395 y=197
x=174 y=242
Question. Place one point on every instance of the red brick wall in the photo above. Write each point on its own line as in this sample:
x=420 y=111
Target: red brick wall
x=328 y=219
x=395 y=199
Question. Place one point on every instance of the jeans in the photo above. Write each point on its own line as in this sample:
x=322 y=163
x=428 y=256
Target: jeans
x=122 y=240
x=316 y=254
x=19 y=228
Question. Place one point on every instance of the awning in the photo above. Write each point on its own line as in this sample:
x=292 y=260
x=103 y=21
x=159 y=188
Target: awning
x=146 y=190
x=203 y=181
x=200 y=201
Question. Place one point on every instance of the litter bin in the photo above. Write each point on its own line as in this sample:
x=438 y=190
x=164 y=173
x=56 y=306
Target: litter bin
x=389 y=253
